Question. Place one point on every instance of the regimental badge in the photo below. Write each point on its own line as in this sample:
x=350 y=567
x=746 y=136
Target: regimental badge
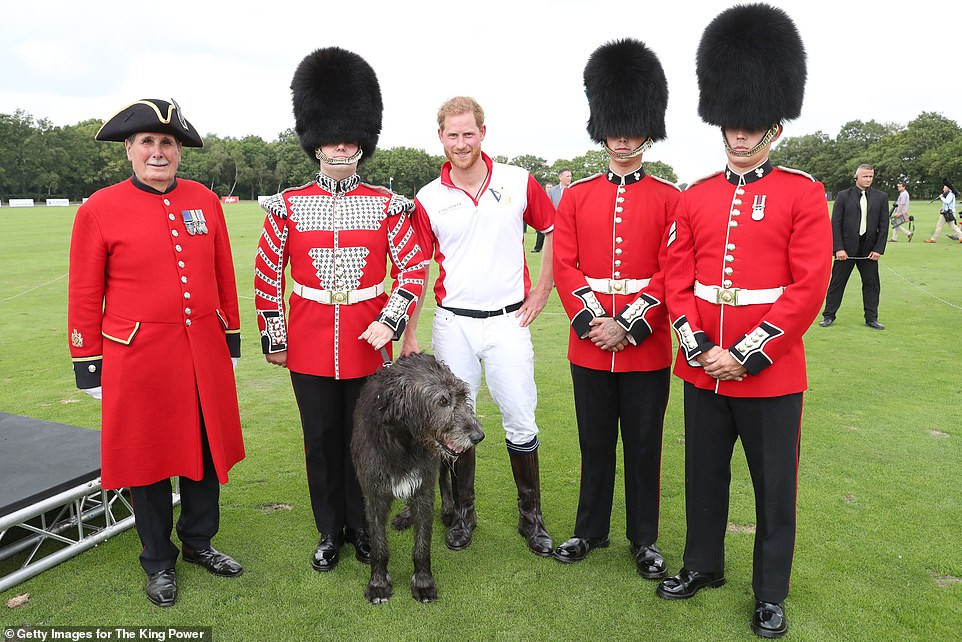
x=76 y=339
x=194 y=221
x=758 y=207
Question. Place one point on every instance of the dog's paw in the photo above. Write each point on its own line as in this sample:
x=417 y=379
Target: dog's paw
x=403 y=519
x=378 y=592
x=423 y=588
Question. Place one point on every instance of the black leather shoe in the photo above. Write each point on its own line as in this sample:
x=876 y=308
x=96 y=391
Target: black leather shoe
x=769 y=620
x=875 y=325
x=214 y=561
x=362 y=544
x=687 y=583
x=162 y=587
x=327 y=552
x=577 y=548
x=826 y=321
x=651 y=565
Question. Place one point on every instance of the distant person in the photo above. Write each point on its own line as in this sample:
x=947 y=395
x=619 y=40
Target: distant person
x=859 y=231
x=152 y=305
x=947 y=213
x=554 y=193
x=900 y=219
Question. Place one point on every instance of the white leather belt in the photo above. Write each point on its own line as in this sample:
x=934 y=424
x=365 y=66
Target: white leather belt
x=617 y=286
x=337 y=297
x=736 y=296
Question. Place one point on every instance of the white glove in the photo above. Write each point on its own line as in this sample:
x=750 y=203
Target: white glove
x=96 y=393
x=234 y=361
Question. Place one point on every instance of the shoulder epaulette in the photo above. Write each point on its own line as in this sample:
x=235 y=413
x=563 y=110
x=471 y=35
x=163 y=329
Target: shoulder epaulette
x=586 y=179
x=703 y=179
x=666 y=182
x=275 y=205
x=792 y=170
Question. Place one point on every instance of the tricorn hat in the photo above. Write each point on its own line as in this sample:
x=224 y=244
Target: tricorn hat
x=337 y=99
x=627 y=91
x=751 y=68
x=151 y=115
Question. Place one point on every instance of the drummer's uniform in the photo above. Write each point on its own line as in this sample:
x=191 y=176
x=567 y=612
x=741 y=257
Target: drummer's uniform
x=609 y=249
x=748 y=266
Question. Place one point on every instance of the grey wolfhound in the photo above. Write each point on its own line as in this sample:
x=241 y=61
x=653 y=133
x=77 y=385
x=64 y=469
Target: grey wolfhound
x=409 y=418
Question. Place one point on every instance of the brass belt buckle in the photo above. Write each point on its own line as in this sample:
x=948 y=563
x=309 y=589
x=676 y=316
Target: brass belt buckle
x=339 y=296
x=726 y=296
x=616 y=285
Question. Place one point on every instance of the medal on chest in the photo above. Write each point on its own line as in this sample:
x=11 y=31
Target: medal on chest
x=194 y=221
x=758 y=207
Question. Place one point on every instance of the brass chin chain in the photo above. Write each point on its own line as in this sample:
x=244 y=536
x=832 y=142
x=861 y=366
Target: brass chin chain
x=327 y=160
x=766 y=139
x=644 y=147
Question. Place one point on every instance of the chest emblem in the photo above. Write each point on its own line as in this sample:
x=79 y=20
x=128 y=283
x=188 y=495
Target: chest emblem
x=76 y=339
x=194 y=221
x=758 y=207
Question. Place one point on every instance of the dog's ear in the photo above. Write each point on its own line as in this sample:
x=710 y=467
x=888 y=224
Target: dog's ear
x=396 y=402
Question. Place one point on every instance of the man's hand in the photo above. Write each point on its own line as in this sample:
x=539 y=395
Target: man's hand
x=721 y=365
x=606 y=334
x=377 y=334
x=533 y=305
x=409 y=345
x=841 y=255
x=875 y=256
x=277 y=358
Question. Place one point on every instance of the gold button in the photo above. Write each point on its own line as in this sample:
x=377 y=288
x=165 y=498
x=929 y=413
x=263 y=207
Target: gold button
x=617 y=286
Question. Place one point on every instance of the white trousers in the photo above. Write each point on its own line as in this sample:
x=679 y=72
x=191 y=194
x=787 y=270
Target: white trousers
x=504 y=348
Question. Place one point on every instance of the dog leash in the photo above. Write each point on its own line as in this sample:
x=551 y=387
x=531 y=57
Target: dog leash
x=385 y=357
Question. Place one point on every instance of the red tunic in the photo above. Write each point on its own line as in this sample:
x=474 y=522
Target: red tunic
x=164 y=299
x=610 y=228
x=772 y=231
x=337 y=236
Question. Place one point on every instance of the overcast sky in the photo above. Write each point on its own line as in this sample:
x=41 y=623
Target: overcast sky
x=229 y=65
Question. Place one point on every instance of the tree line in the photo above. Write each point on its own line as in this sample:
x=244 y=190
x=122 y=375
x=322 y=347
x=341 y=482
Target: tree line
x=41 y=160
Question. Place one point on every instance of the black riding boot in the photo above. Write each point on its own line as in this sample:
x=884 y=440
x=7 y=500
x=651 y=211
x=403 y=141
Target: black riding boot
x=458 y=537
x=530 y=522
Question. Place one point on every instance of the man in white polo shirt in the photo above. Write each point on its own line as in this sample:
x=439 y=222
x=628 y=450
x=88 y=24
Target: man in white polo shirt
x=471 y=220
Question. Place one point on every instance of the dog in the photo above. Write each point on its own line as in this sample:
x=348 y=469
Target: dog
x=410 y=418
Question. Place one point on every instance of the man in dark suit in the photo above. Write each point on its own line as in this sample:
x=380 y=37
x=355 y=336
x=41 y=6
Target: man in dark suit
x=859 y=231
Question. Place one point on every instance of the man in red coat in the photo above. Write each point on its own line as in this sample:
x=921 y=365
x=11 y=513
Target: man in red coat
x=154 y=327
x=609 y=250
x=748 y=265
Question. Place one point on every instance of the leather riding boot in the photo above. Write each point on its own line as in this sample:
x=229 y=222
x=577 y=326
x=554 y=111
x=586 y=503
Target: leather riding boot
x=447 y=497
x=458 y=537
x=530 y=522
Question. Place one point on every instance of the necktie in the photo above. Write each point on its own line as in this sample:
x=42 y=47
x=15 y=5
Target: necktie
x=863 y=224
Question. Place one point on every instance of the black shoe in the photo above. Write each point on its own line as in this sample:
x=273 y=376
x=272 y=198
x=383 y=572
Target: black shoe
x=769 y=620
x=362 y=544
x=826 y=321
x=327 y=552
x=651 y=565
x=162 y=587
x=577 y=548
x=687 y=583
x=214 y=561
x=875 y=325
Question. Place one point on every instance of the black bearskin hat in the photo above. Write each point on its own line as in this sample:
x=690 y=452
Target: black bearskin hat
x=627 y=91
x=150 y=115
x=336 y=99
x=751 y=68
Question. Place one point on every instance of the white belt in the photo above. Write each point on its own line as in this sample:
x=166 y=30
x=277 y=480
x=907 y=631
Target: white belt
x=736 y=296
x=617 y=286
x=337 y=297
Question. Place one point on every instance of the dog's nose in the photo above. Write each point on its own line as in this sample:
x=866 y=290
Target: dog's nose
x=476 y=439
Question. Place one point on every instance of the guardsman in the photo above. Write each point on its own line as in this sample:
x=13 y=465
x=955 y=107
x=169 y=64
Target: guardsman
x=748 y=266
x=153 y=330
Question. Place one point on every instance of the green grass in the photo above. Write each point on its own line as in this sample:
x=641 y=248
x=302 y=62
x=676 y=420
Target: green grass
x=880 y=516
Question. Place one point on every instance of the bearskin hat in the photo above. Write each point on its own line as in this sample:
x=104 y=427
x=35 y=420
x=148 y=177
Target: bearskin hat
x=627 y=91
x=150 y=115
x=751 y=68
x=336 y=99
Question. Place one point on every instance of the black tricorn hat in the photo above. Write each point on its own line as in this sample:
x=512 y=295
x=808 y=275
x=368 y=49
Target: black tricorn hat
x=337 y=99
x=751 y=68
x=627 y=91
x=151 y=115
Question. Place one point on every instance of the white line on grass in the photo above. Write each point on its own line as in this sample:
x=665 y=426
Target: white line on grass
x=42 y=285
x=919 y=287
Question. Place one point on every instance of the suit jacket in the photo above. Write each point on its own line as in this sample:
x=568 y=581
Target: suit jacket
x=555 y=193
x=847 y=215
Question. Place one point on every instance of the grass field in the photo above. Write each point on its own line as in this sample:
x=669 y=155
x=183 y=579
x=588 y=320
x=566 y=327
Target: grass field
x=878 y=553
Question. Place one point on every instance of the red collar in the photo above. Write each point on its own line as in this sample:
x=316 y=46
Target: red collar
x=447 y=182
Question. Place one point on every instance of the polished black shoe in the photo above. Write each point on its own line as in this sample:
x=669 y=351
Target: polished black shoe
x=214 y=561
x=162 y=587
x=875 y=325
x=327 y=552
x=687 y=583
x=362 y=544
x=769 y=620
x=577 y=548
x=826 y=321
x=651 y=564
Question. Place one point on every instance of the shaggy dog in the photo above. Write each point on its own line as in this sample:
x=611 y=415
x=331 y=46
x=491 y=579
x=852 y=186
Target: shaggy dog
x=409 y=418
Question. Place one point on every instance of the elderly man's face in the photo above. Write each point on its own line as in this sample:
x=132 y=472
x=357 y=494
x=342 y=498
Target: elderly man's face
x=154 y=158
x=864 y=178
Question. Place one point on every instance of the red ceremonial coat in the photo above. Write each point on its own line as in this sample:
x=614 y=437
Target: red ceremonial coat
x=613 y=227
x=337 y=236
x=767 y=229
x=165 y=300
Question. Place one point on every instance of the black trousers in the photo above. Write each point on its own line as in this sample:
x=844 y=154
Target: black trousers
x=636 y=400
x=539 y=242
x=871 y=286
x=199 y=514
x=326 y=406
x=770 y=431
